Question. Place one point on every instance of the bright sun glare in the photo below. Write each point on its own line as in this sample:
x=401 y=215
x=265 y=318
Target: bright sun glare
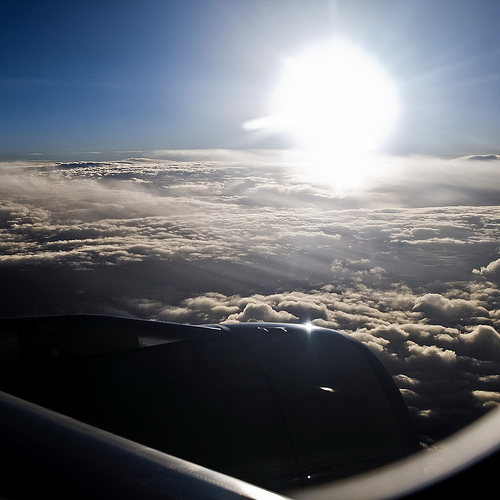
x=338 y=103
x=336 y=97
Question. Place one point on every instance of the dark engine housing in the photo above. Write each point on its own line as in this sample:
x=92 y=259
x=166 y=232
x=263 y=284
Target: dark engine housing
x=281 y=406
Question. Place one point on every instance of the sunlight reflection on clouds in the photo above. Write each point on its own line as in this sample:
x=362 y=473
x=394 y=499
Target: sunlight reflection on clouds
x=407 y=262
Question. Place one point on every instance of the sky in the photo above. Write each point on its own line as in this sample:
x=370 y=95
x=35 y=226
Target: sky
x=135 y=179
x=116 y=76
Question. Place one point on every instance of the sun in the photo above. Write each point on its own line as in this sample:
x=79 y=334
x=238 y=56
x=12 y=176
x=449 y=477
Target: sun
x=335 y=96
x=339 y=106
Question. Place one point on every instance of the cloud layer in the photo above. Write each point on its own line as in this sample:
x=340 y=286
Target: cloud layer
x=405 y=259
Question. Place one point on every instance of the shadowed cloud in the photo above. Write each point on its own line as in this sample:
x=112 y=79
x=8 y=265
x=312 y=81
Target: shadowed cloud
x=406 y=262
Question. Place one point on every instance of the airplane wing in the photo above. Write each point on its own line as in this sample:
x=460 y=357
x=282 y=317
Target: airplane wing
x=46 y=453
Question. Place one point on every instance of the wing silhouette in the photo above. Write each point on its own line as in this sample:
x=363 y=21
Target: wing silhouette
x=102 y=405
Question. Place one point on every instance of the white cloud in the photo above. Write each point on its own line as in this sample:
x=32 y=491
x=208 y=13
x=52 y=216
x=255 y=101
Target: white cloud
x=421 y=358
x=437 y=366
x=262 y=312
x=491 y=271
x=435 y=306
x=488 y=399
x=209 y=237
x=482 y=343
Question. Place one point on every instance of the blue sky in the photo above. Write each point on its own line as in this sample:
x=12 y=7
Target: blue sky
x=119 y=76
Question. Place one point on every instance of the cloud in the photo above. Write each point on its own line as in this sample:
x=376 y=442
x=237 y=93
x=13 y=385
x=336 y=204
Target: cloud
x=209 y=237
x=421 y=358
x=262 y=312
x=482 y=343
x=481 y=157
x=435 y=306
x=488 y=399
x=445 y=372
x=491 y=271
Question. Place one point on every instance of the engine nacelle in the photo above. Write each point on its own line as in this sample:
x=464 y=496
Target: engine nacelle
x=279 y=405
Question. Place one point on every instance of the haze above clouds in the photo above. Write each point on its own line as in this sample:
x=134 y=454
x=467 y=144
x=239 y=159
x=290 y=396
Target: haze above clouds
x=407 y=261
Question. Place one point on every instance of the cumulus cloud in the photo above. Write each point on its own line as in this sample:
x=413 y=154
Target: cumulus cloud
x=488 y=399
x=445 y=373
x=262 y=312
x=406 y=263
x=491 y=271
x=436 y=307
x=482 y=343
x=421 y=357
